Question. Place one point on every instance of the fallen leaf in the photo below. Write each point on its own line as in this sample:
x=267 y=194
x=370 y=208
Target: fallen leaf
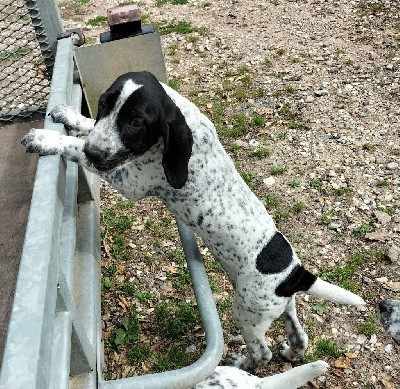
x=342 y=363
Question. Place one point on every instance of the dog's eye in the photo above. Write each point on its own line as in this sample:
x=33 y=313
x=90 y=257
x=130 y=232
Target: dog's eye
x=136 y=123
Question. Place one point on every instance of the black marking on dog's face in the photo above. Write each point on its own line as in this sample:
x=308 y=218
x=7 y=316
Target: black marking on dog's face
x=298 y=280
x=276 y=256
x=147 y=114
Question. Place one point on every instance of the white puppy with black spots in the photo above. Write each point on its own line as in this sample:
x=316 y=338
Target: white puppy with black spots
x=390 y=318
x=148 y=140
x=228 y=377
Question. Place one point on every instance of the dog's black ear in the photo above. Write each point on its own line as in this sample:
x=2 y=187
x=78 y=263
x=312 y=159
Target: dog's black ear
x=178 y=142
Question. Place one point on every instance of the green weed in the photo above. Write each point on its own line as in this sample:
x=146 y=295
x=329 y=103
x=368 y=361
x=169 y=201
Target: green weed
x=175 y=319
x=271 y=201
x=277 y=170
x=261 y=152
x=369 y=326
x=127 y=332
x=96 y=21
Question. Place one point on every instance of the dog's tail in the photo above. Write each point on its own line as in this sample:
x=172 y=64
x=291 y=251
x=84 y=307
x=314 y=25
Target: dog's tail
x=296 y=377
x=301 y=279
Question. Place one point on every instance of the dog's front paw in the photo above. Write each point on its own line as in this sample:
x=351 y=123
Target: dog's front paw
x=65 y=115
x=320 y=367
x=40 y=141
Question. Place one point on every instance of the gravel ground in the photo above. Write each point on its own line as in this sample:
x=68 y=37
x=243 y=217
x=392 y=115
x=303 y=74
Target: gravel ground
x=305 y=96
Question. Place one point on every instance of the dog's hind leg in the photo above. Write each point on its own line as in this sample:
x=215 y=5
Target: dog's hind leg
x=253 y=322
x=297 y=343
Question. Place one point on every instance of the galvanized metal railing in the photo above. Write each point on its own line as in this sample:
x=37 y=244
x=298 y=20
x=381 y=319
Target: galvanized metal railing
x=54 y=320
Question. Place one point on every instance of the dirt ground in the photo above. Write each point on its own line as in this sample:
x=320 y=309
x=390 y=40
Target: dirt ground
x=305 y=97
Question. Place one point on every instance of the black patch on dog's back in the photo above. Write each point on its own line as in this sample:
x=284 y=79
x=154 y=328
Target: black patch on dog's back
x=298 y=280
x=276 y=256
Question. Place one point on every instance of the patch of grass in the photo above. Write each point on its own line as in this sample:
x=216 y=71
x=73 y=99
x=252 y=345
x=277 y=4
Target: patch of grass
x=295 y=183
x=369 y=8
x=280 y=51
x=172 y=48
x=249 y=177
x=281 y=213
x=174 y=82
x=320 y=309
x=138 y=353
x=286 y=112
x=114 y=226
x=106 y=283
x=383 y=183
x=389 y=209
x=296 y=125
x=277 y=170
x=96 y=21
x=290 y=89
x=174 y=359
x=368 y=146
x=330 y=215
x=298 y=207
x=239 y=126
x=316 y=184
x=324 y=348
x=362 y=230
x=343 y=274
x=178 y=27
x=130 y=289
x=268 y=63
x=271 y=201
x=261 y=152
x=282 y=135
x=258 y=120
x=127 y=332
x=175 y=319
x=369 y=326
x=341 y=192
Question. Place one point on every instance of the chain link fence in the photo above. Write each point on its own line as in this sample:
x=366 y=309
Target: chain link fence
x=26 y=62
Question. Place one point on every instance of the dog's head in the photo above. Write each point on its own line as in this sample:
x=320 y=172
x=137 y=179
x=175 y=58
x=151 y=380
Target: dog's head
x=133 y=114
x=390 y=318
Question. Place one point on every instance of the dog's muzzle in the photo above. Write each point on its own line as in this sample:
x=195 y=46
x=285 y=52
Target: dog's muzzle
x=101 y=159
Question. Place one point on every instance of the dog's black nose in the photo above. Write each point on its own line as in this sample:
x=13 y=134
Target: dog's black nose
x=94 y=154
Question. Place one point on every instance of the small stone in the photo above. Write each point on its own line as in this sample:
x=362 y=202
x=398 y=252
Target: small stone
x=393 y=286
x=269 y=181
x=321 y=92
x=240 y=143
x=394 y=253
x=334 y=225
x=361 y=339
x=373 y=339
x=254 y=143
x=191 y=349
x=392 y=165
x=382 y=217
x=388 y=348
x=382 y=280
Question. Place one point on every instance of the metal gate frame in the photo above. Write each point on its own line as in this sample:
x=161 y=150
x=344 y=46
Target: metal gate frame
x=54 y=337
